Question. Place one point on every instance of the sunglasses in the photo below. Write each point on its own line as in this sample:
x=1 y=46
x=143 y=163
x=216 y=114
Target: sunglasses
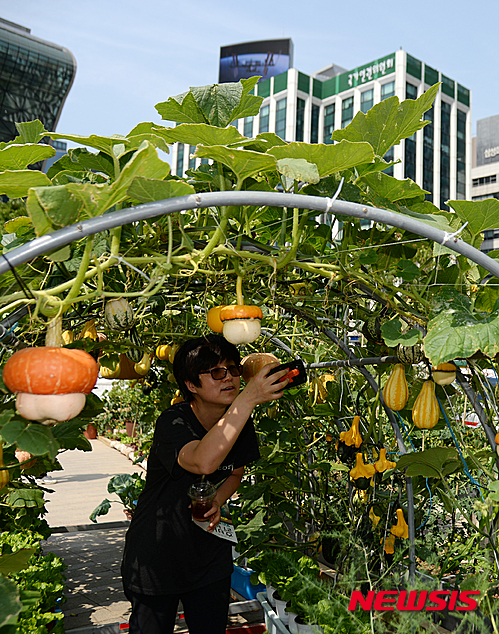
x=220 y=373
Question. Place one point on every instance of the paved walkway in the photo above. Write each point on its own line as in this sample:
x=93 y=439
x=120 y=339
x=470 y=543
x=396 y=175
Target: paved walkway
x=92 y=552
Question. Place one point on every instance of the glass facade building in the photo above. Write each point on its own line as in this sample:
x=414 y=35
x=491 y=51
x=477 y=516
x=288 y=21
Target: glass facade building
x=35 y=79
x=308 y=108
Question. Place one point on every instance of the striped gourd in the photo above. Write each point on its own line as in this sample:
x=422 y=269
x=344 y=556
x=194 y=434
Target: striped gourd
x=118 y=314
x=426 y=411
x=4 y=474
x=396 y=392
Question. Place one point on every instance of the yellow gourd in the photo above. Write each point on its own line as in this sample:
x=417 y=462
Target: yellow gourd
x=4 y=474
x=362 y=473
x=389 y=544
x=373 y=517
x=178 y=398
x=400 y=529
x=396 y=392
x=163 y=352
x=382 y=464
x=444 y=373
x=352 y=437
x=426 y=410
x=144 y=365
x=68 y=337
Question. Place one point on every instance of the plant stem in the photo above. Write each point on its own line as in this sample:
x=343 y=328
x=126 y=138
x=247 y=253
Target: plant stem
x=80 y=277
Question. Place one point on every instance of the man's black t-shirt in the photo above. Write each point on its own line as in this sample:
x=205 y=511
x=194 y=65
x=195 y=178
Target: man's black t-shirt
x=165 y=551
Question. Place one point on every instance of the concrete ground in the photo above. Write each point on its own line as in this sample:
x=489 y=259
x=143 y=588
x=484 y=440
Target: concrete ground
x=95 y=600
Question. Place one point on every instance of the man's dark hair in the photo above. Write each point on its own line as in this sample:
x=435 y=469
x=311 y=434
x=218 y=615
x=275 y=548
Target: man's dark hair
x=199 y=355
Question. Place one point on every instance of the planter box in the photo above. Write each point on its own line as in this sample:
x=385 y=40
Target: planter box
x=273 y=623
x=240 y=582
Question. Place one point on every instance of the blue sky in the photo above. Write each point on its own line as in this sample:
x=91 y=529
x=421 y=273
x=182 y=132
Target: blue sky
x=132 y=55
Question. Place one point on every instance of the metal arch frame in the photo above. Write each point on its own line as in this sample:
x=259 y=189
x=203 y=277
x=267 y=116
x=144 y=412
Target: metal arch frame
x=324 y=205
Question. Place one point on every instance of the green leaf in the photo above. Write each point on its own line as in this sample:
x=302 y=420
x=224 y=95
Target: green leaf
x=298 y=170
x=244 y=163
x=480 y=215
x=429 y=463
x=30 y=131
x=393 y=189
x=181 y=109
x=12 y=226
x=147 y=190
x=263 y=142
x=13 y=562
x=388 y=122
x=10 y=606
x=60 y=255
x=407 y=270
x=249 y=105
x=18 y=157
x=15 y=184
x=147 y=131
x=328 y=158
x=438 y=221
x=103 y=143
x=201 y=133
x=32 y=437
x=82 y=158
x=223 y=103
x=102 y=509
x=52 y=208
x=455 y=330
x=69 y=435
x=391 y=332
x=26 y=498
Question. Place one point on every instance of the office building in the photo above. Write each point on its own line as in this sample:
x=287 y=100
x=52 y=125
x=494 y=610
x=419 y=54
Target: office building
x=300 y=107
x=35 y=79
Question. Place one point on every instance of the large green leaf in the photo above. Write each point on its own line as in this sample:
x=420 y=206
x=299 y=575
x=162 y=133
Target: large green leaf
x=52 y=208
x=25 y=498
x=102 y=143
x=388 y=122
x=438 y=221
x=147 y=131
x=10 y=606
x=32 y=437
x=480 y=215
x=146 y=190
x=263 y=142
x=328 y=158
x=393 y=189
x=18 y=157
x=392 y=335
x=244 y=163
x=298 y=170
x=431 y=463
x=202 y=133
x=216 y=104
x=30 y=131
x=16 y=183
x=455 y=330
x=13 y=562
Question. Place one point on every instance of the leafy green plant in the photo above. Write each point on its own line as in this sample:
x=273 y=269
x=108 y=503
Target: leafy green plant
x=127 y=487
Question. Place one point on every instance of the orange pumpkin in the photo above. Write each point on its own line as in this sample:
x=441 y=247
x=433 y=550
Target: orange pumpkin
x=253 y=363
x=241 y=323
x=240 y=311
x=50 y=370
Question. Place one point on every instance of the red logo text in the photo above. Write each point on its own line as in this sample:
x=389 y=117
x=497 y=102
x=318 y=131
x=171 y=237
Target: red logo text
x=413 y=600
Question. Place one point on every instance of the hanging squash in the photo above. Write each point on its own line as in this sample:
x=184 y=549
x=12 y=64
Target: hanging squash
x=400 y=529
x=396 y=392
x=349 y=441
x=241 y=323
x=497 y=444
x=144 y=365
x=213 y=319
x=163 y=352
x=134 y=353
x=410 y=355
x=253 y=363
x=362 y=474
x=51 y=383
x=68 y=337
x=373 y=517
x=389 y=546
x=382 y=463
x=444 y=373
x=426 y=410
x=119 y=315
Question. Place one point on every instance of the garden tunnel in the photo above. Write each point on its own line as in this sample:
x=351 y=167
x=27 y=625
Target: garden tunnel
x=322 y=205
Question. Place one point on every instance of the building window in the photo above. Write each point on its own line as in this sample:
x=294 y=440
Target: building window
x=389 y=156
x=461 y=155
x=314 y=127
x=366 y=100
x=192 y=160
x=280 y=118
x=485 y=180
x=248 y=127
x=387 y=90
x=300 y=119
x=346 y=111
x=180 y=160
x=410 y=158
x=411 y=91
x=329 y=114
x=444 y=154
x=428 y=132
x=264 y=119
